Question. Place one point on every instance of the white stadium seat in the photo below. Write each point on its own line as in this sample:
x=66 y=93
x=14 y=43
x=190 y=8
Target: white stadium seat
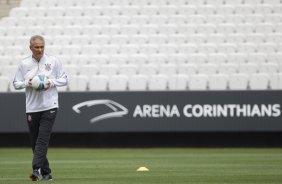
x=263 y=9
x=157 y=83
x=257 y=58
x=167 y=69
x=129 y=49
x=217 y=58
x=82 y=21
x=227 y=48
x=78 y=60
x=78 y=82
x=19 y=12
x=72 y=30
x=37 y=12
x=156 y=39
x=273 y=37
x=5 y=60
x=245 y=28
x=224 y=9
x=206 y=10
x=150 y=49
x=167 y=10
x=173 y=39
x=207 y=48
x=247 y=48
x=71 y=50
x=197 y=59
x=186 y=29
x=158 y=59
x=177 y=59
x=264 y=28
x=128 y=69
x=137 y=83
x=177 y=82
x=267 y=48
x=227 y=68
x=93 y=10
x=237 y=58
x=245 y=9
x=254 y=18
x=188 y=9
x=108 y=69
x=9 y=71
x=4 y=83
x=227 y=28
x=9 y=21
x=3 y=32
x=100 y=40
x=138 y=59
x=71 y=69
x=79 y=40
x=235 y=38
x=55 y=12
x=206 y=29
x=88 y=70
x=275 y=81
x=198 y=82
x=118 y=59
x=269 y=68
x=238 y=81
x=98 y=83
x=218 y=82
x=255 y=38
x=113 y=10
x=259 y=81
x=167 y=49
x=189 y=48
x=74 y=11
x=91 y=30
x=249 y=68
x=146 y=10
x=195 y=38
x=217 y=38
x=208 y=68
x=148 y=69
x=90 y=50
x=187 y=69
x=48 y=4
x=118 y=83
x=120 y=39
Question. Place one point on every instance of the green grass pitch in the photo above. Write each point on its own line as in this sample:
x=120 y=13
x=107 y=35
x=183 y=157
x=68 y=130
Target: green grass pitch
x=166 y=165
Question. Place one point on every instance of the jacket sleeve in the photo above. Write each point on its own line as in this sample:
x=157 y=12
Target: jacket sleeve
x=19 y=81
x=61 y=77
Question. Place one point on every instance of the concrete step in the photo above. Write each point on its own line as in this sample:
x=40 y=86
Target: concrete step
x=6 y=6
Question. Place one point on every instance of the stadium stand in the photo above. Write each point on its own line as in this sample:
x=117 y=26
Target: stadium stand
x=157 y=44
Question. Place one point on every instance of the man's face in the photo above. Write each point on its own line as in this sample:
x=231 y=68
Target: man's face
x=37 y=48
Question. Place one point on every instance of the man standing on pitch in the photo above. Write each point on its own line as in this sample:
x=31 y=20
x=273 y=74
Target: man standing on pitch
x=41 y=106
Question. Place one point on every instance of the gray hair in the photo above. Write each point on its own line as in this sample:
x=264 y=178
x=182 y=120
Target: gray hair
x=35 y=37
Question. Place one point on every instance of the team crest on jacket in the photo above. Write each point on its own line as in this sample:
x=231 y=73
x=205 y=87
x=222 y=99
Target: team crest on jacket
x=48 y=67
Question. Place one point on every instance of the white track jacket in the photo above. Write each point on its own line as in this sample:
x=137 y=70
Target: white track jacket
x=49 y=66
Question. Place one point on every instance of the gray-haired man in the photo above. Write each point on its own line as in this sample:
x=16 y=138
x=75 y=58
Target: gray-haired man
x=41 y=106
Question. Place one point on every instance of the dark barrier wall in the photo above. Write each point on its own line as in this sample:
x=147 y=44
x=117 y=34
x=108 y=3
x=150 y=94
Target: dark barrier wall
x=193 y=111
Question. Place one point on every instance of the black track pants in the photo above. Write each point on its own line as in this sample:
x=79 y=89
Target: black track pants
x=40 y=127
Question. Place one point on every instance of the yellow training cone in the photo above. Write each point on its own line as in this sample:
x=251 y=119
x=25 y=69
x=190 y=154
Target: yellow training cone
x=142 y=169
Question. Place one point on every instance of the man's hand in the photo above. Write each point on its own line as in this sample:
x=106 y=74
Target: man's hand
x=29 y=83
x=48 y=84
